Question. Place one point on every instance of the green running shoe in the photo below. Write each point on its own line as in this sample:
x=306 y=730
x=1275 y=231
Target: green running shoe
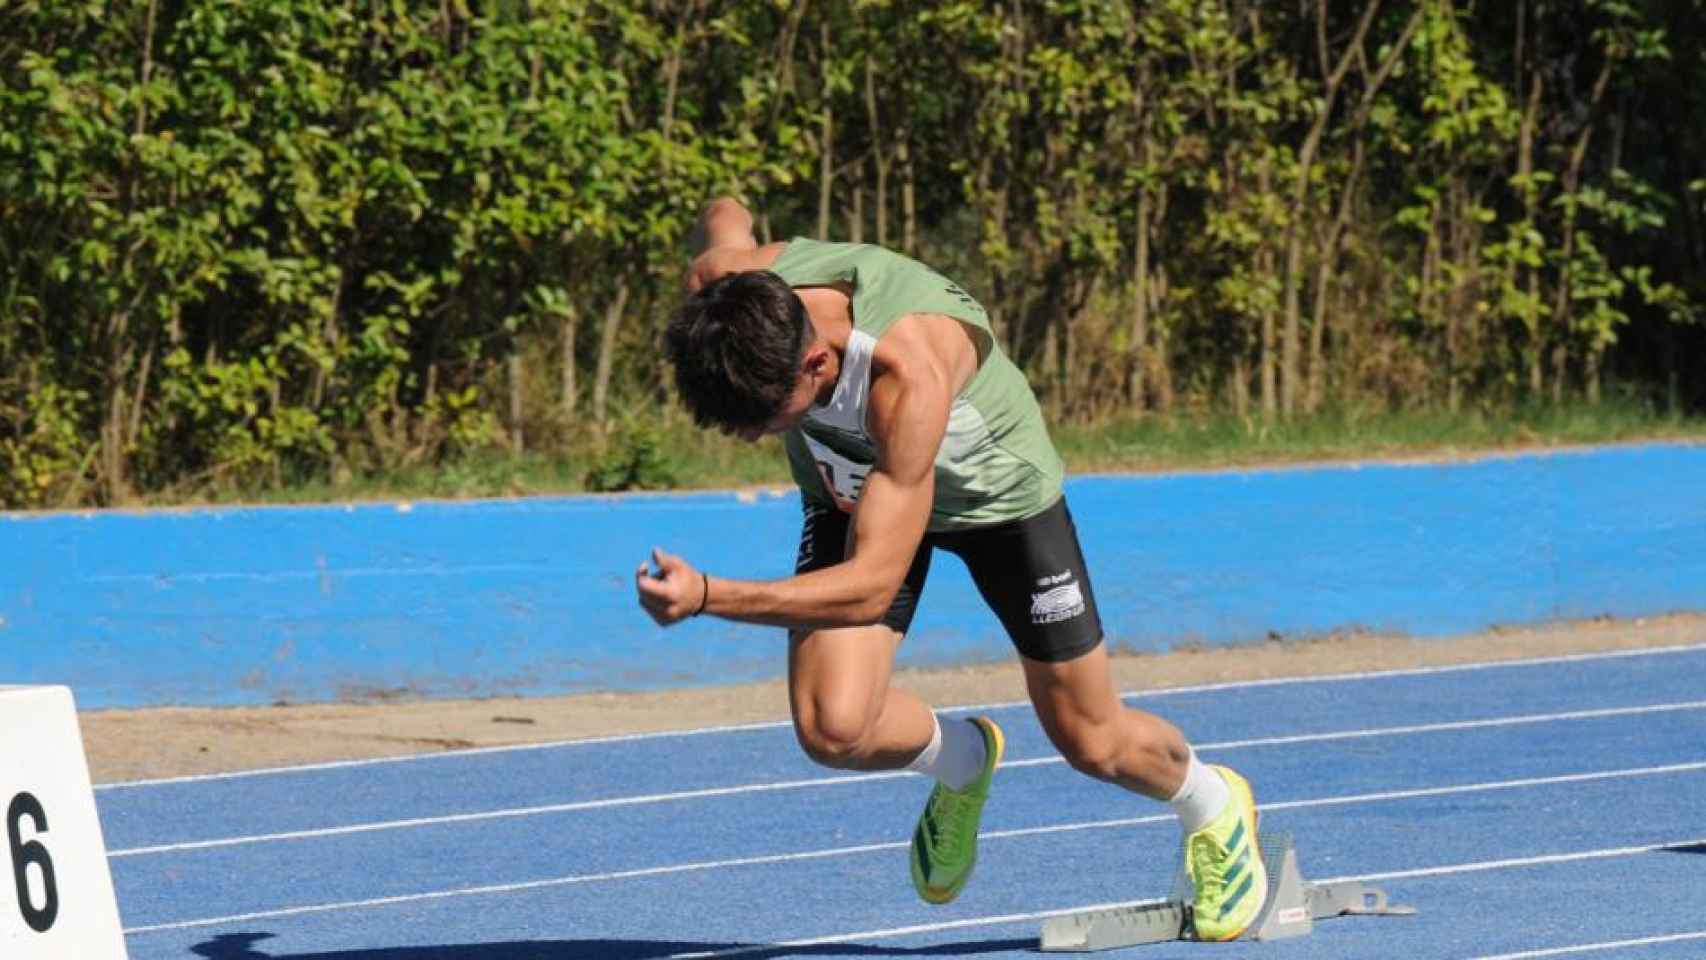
x=1225 y=866
x=944 y=847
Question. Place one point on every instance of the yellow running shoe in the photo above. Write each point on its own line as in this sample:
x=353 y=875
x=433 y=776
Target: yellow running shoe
x=1225 y=866
x=944 y=845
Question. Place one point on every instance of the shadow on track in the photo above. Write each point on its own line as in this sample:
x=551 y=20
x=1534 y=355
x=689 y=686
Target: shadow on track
x=241 y=946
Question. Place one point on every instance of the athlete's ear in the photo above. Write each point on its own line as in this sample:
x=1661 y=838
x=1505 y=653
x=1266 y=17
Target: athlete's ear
x=816 y=360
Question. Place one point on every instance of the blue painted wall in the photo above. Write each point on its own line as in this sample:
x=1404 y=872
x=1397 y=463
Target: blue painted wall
x=230 y=606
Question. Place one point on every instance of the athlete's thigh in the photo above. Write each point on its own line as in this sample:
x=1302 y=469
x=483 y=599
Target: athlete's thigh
x=1032 y=573
x=845 y=668
x=838 y=678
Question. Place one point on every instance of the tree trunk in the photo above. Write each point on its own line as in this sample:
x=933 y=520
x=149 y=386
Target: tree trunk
x=138 y=402
x=513 y=367
x=1294 y=230
x=114 y=481
x=1328 y=262
x=1070 y=375
x=1051 y=370
x=1140 y=307
x=1669 y=362
x=856 y=214
x=878 y=154
x=120 y=356
x=1139 y=334
x=146 y=72
x=1240 y=386
x=1458 y=225
x=1161 y=357
x=826 y=160
x=1561 y=301
x=1430 y=282
x=785 y=56
x=567 y=328
x=329 y=330
x=1265 y=268
x=1535 y=345
x=672 y=83
x=908 y=196
x=607 y=349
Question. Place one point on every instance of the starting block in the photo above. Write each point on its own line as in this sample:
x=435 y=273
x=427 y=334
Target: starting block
x=1293 y=906
x=56 y=893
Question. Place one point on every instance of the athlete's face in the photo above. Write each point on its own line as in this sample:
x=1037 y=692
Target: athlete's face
x=814 y=373
x=793 y=411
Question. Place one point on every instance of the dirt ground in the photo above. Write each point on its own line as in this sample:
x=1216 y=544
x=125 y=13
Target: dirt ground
x=169 y=742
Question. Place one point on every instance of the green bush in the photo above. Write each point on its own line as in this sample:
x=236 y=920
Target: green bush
x=246 y=245
x=634 y=461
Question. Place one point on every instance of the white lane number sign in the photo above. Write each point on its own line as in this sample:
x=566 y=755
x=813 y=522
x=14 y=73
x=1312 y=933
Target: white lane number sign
x=56 y=893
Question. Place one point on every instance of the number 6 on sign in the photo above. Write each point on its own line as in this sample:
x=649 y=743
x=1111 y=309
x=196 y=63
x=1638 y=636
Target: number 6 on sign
x=58 y=902
x=32 y=853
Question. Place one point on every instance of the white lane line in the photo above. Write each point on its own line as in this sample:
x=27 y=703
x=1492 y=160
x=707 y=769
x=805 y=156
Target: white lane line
x=892 y=932
x=1604 y=853
x=1597 y=947
x=799 y=856
x=573 y=807
x=1440 y=727
x=745 y=727
x=711 y=792
x=514 y=887
x=1416 y=793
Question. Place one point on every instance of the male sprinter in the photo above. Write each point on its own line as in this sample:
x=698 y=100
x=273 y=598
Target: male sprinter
x=907 y=429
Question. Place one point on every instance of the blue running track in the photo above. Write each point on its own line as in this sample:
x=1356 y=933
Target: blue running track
x=1533 y=809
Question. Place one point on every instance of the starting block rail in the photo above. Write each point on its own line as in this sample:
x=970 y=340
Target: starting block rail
x=1292 y=907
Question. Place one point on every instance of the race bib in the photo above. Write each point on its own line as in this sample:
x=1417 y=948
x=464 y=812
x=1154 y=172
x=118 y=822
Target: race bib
x=844 y=478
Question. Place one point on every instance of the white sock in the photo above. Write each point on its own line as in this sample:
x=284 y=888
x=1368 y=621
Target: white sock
x=1201 y=797
x=955 y=754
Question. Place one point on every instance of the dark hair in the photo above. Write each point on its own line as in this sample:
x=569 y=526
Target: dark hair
x=736 y=347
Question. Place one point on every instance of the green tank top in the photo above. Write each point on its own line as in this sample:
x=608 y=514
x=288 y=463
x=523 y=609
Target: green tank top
x=996 y=463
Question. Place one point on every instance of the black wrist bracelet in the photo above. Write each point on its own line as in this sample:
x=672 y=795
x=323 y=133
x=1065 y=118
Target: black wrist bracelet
x=706 y=597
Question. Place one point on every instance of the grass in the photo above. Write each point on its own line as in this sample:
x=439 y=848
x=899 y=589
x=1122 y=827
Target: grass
x=1220 y=441
x=672 y=457
x=678 y=456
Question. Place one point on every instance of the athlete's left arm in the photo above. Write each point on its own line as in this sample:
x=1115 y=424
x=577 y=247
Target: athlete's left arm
x=919 y=372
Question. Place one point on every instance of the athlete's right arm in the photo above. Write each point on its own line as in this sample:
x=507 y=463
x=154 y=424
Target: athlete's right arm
x=723 y=243
x=908 y=417
x=725 y=222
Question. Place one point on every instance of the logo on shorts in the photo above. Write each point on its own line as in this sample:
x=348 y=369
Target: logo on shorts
x=1061 y=601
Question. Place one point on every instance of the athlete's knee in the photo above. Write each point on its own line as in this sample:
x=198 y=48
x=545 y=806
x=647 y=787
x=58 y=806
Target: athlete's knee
x=835 y=732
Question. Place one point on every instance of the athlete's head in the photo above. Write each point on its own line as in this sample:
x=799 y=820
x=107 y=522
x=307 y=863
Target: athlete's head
x=743 y=349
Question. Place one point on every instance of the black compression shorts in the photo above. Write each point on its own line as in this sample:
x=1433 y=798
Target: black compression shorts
x=1030 y=572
